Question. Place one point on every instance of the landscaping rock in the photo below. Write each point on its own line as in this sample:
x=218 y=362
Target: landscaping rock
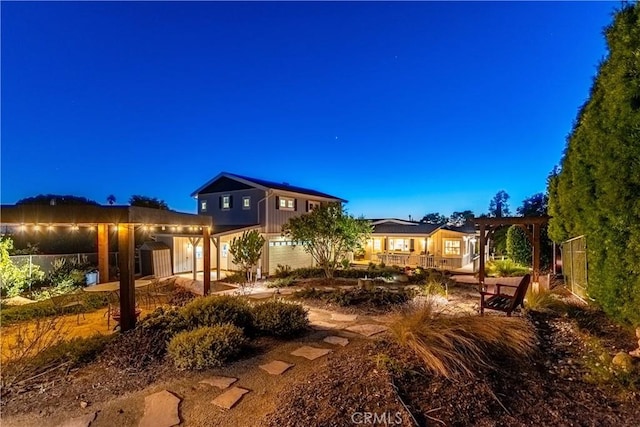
x=623 y=362
x=230 y=398
x=82 y=421
x=367 y=330
x=332 y=339
x=322 y=326
x=160 y=410
x=220 y=382
x=276 y=367
x=310 y=353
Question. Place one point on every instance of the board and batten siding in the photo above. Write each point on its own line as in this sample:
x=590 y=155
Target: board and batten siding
x=236 y=214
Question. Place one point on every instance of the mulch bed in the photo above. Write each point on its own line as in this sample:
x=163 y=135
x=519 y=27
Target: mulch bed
x=550 y=389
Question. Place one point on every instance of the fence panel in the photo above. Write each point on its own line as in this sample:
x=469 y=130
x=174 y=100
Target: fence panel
x=45 y=262
x=574 y=266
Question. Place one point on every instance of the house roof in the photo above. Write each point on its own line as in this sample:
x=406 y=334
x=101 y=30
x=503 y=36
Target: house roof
x=406 y=229
x=467 y=228
x=261 y=184
x=376 y=221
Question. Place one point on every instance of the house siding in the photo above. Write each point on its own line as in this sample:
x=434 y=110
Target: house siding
x=236 y=215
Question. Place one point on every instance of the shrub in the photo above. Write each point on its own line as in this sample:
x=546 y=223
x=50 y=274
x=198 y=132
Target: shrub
x=14 y=279
x=217 y=309
x=237 y=278
x=166 y=321
x=136 y=349
x=281 y=282
x=206 y=347
x=376 y=297
x=45 y=308
x=279 y=318
x=454 y=346
x=505 y=268
x=543 y=300
x=282 y=271
x=181 y=297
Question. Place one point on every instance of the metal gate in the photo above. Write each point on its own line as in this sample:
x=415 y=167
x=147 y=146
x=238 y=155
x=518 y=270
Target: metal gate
x=574 y=266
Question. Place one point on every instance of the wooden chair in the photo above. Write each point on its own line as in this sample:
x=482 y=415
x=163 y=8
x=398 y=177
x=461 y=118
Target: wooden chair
x=63 y=303
x=157 y=290
x=505 y=302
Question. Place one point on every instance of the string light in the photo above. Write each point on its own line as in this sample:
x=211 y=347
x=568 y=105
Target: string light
x=36 y=227
x=22 y=227
x=50 y=227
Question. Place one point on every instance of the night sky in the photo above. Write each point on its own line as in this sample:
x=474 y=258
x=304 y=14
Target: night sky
x=400 y=108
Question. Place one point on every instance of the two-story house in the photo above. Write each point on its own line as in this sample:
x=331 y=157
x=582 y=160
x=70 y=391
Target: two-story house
x=239 y=203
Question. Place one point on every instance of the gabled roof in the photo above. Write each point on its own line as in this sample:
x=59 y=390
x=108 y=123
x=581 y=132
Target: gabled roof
x=243 y=181
x=376 y=221
x=406 y=229
x=467 y=228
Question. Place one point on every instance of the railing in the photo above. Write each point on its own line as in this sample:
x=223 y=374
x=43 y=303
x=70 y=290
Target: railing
x=574 y=266
x=425 y=261
x=45 y=262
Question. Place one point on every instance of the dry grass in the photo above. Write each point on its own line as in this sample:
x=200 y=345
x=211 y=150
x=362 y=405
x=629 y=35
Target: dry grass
x=451 y=346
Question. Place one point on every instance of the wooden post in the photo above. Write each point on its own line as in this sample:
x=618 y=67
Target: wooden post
x=127 y=282
x=206 y=253
x=536 y=252
x=483 y=243
x=103 y=252
x=218 y=249
x=194 y=261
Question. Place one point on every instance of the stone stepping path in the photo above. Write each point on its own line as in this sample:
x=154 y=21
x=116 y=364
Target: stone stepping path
x=310 y=353
x=368 y=329
x=220 y=382
x=261 y=296
x=230 y=398
x=276 y=367
x=82 y=421
x=332 y=339
x=322 y=326
x=160 y=410
x=344 y=317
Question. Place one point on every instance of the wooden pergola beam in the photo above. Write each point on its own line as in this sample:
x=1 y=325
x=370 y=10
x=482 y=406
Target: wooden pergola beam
x=126 y=251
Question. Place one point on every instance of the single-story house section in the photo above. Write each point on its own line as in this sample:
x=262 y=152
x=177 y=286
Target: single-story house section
x=409 y=243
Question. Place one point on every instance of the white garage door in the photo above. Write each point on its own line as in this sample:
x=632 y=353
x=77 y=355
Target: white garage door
x=285 y=253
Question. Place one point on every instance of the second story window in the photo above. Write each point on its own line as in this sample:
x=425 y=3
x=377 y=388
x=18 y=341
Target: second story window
x=312 y=204
x=203 y=205
x=286 y=203
x=246 y=202
x=225 y=202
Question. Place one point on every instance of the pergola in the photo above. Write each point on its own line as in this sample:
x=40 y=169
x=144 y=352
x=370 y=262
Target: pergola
x=124 y=219
x=531 y=225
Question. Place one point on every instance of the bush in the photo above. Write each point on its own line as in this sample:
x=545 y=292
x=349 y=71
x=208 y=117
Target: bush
x=237 y=278
x=14 y=279
x=281 y=282
x=455 y=346
x=506 y=268
x=206 y=347
x=181 y=297
x=279 y=318
x=543 y=300
x=218 y=309
x=166 y=321
x=282 y=271
x=379 y=298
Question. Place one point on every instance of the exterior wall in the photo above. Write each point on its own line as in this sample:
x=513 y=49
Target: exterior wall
x=278 y=217
x=236 y=215
x=283 y=252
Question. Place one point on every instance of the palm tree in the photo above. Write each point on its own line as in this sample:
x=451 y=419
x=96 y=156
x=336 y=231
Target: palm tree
x=111 y=199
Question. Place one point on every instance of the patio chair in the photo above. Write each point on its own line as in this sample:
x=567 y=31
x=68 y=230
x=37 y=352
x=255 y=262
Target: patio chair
x=505 y=302
x=64 y=303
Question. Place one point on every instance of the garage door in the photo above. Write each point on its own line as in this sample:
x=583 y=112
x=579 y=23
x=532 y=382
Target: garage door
x=286 y=253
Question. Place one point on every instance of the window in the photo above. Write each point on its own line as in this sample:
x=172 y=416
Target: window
x=287 y=204
x=377 y=245
x=312 y=204
x=399 y=245
x=246 y=202
x=452 y=247
x=226 y=202
x=203 y=205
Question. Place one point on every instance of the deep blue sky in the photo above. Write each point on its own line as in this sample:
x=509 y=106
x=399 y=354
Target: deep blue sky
x=401 y=108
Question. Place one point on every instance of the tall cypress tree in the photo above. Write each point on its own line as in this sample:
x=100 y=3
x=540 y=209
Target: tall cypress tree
x=597 y=192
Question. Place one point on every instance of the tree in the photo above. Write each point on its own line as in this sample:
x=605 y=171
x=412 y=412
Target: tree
x=14 y=279
x=596 y=193
x=499 y=205
x=56 y=199
x=111 y=199
x=535 y=205
x=246 y=251
x=519 y=248
x=434 y=218
x=460 y=218
x=148 y=202
x=328 y=233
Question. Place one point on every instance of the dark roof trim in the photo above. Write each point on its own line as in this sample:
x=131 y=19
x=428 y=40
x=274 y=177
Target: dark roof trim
x=266 y=185
x=68 y=214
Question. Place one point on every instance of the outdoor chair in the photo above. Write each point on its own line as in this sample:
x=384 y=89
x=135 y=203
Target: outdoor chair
x=64 y=303
x=505 y=302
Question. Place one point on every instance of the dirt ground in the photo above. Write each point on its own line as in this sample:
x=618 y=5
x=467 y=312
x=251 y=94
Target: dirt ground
x=341 y=388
